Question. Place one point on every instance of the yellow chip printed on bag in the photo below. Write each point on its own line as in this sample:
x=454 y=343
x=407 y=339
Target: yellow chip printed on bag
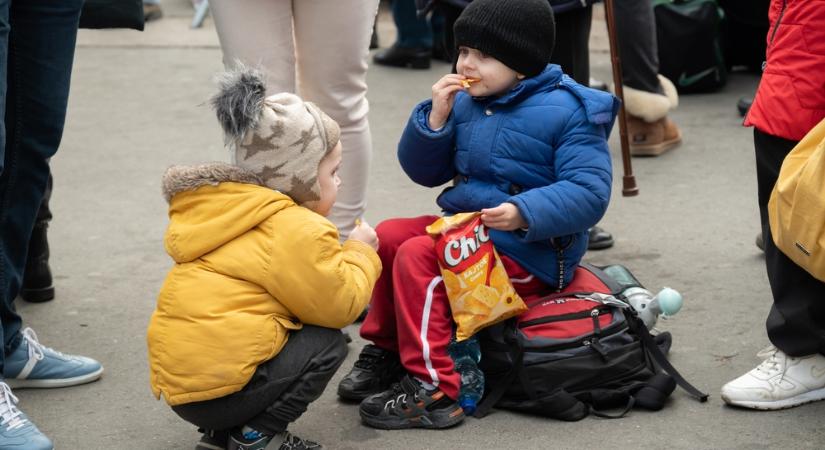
x=479 y=290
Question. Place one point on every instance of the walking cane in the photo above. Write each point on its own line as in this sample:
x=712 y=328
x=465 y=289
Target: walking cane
x=629 y=188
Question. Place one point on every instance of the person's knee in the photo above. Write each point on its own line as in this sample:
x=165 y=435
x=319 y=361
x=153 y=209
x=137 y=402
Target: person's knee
x=417 y=248
x=333 y=346
x=390 y=233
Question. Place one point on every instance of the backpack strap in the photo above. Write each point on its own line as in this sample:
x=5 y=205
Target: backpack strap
x=639 y=328
x=517 y=356
x=560 y=404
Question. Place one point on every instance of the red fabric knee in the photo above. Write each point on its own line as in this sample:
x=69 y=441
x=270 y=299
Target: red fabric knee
x=379 y=325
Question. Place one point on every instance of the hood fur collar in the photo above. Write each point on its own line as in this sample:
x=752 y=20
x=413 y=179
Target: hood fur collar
x=178 y=179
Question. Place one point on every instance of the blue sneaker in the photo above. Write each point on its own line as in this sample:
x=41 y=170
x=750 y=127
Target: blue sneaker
x=16 y=430
x=33 y=365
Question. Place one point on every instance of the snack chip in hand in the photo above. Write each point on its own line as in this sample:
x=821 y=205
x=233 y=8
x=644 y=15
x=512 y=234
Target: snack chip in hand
x=468 y=81
x=477 y=285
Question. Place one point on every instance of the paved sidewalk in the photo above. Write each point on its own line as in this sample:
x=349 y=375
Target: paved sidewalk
x=138 y=104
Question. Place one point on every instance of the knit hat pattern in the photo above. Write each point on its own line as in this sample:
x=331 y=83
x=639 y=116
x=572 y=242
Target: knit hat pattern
x=280 y=138
x=519 y=33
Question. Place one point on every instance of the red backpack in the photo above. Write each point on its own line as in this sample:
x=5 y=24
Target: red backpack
x=578 y=352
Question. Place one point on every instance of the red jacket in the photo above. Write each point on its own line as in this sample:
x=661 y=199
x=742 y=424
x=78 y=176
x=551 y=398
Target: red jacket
x=791 y=95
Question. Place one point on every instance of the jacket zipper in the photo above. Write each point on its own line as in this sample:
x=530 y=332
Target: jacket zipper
x=775 y=28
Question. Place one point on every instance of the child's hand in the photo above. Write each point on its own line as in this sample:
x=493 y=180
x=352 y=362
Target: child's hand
x=365 y=233
x=504 y=217
x=444 y=91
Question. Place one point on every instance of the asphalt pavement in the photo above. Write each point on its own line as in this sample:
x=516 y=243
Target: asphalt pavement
x=138 y=105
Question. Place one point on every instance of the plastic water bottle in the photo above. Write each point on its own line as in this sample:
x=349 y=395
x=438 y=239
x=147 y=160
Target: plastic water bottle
x=648 y=306
x=466 y=355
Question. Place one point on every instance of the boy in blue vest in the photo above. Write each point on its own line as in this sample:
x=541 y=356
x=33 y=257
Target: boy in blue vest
x=525 y=145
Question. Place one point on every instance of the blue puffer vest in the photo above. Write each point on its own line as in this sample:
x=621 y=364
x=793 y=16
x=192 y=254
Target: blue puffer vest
x=542 y=146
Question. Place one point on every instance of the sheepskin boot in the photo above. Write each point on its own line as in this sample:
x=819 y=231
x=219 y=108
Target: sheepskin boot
x=650 y=131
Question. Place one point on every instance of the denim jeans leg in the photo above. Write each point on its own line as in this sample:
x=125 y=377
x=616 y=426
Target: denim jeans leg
x=413 y=32
x=38 y=65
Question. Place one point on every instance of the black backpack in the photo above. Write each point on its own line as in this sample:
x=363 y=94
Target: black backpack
x=578 y=352
x=690 y=50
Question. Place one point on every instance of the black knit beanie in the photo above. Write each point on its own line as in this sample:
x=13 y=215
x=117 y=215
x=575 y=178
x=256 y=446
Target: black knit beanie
x=519 y=33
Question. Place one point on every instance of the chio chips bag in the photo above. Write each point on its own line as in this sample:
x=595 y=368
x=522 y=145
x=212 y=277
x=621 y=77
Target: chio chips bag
x=478 y=287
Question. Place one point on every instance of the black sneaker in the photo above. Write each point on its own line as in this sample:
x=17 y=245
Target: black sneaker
x=237 y=441
x=213 y=440
x=374 y=372
x=292 y=442
x=409 y=405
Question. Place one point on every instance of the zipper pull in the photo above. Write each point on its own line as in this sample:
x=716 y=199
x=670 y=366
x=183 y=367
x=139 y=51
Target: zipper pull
x=599 y=348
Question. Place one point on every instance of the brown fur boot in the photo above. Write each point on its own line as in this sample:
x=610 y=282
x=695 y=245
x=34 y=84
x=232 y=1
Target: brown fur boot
x=652 y=139
x=650 y=132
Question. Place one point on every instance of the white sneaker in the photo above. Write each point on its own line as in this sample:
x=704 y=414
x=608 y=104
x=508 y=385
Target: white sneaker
x=781 y=381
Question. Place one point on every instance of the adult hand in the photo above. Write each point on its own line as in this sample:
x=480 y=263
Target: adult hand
x=504 y=217
x=365 y=233
x=444 y=91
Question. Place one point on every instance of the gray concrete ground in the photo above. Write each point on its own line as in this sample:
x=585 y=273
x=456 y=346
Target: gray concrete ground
x=137 y=106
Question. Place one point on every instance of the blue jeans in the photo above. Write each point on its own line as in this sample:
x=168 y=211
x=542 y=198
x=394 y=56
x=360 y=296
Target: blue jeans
x=37 y=41
x=414 y=32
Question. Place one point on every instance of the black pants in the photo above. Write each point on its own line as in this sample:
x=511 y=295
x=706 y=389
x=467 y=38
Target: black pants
x=281 y=388
x=638 y=49
x=796 y=322
x=572 y=49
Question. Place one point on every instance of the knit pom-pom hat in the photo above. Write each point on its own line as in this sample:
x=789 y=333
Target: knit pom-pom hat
x=280 y=138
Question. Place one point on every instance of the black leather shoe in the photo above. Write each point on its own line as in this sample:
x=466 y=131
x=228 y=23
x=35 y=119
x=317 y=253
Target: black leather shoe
x=395 y=56
x=598 y=239
x=374 y=371
x=37 y=277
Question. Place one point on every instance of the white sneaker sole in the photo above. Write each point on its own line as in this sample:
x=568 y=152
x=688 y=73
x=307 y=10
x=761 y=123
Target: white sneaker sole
x=801 y=399
x=51 y=384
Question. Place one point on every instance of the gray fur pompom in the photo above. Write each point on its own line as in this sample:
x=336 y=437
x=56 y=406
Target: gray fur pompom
x=238 y=103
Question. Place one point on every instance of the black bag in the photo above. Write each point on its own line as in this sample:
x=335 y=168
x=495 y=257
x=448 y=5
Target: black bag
x=579 y=352
x=745 y=32
x=690 y=52
x=112 y=14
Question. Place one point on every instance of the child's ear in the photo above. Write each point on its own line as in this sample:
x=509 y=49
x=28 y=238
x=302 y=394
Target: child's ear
x=520 y=76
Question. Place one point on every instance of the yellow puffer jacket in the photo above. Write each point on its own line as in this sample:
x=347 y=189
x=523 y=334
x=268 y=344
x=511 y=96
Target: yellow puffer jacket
x=250 y=265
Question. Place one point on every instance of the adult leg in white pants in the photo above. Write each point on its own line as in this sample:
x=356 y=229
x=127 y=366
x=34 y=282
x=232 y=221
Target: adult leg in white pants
x=317 y=49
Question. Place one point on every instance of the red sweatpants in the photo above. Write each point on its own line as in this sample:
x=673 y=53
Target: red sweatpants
x=409 y=312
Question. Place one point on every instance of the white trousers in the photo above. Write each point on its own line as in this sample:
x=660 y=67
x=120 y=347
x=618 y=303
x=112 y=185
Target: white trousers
x=318 y=50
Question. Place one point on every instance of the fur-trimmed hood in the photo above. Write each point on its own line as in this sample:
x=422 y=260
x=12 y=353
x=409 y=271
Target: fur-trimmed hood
x=178 y=179
x=212 y=204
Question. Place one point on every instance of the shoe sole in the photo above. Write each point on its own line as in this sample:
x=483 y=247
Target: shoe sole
x=39 y=295
x=436 y=421
x=801 y=399
x=655 y=149
x=51 y=384
x=356 y=397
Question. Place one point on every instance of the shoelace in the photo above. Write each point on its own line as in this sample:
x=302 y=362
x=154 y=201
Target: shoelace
x=9 y=414
x=36 y=349
x=773 y=361
x=369 y=356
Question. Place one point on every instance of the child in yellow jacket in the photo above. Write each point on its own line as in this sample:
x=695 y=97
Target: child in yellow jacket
x=246 y=330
